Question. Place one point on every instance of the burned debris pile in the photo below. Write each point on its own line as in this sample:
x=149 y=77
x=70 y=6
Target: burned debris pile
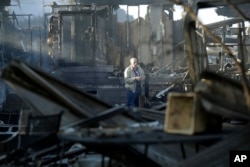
x=122 y=135
x=194 y=111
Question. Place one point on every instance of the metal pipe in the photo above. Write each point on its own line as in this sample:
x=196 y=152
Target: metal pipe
x=222 y=49
x=40 y=51
x=138 y=35
x=127 y=27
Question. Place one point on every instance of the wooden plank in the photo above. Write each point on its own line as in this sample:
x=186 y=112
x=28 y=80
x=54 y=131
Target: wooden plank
x=218 y=154
x=221 y=107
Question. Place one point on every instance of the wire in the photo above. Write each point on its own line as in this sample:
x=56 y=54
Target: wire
x=10 y=138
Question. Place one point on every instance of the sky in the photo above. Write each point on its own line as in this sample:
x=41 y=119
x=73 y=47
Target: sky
x=178 y=12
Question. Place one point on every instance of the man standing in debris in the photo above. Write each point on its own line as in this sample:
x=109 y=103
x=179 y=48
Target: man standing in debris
x=134 y=77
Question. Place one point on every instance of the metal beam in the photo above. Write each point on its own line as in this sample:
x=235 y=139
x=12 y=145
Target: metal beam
x=136 y=136
x=125 y=2
x=216 y=3
x=224 y=23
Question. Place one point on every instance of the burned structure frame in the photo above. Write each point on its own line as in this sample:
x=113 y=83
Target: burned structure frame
x=124 y=136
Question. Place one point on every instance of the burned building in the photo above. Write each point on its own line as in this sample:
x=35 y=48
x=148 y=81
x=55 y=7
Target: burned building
x=73 y=114
x=90 y=48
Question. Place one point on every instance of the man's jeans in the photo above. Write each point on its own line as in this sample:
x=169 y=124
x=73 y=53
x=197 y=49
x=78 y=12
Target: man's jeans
x=133 y=98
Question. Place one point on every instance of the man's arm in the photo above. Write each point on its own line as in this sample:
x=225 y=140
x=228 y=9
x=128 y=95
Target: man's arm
x=128 y=79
